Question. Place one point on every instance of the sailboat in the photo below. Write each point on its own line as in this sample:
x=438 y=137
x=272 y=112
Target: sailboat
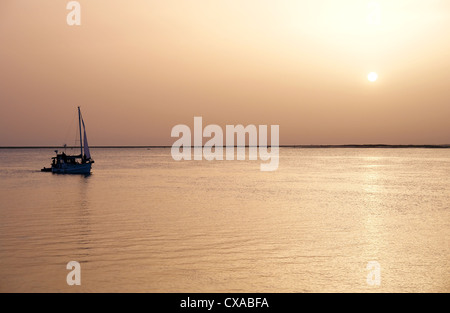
x=73 y=164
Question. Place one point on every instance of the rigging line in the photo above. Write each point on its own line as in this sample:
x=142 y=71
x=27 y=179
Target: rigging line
x=75 y=141
x=66 y=136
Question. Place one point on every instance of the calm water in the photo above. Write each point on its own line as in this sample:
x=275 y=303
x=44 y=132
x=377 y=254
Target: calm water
x=143 y=222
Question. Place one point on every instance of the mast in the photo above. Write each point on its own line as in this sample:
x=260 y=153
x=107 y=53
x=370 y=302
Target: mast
x=79 y=125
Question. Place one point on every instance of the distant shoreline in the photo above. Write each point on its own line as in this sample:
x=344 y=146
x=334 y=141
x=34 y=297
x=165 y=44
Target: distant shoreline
x=446 y=146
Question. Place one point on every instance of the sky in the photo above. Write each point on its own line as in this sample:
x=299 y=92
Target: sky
x=137 y=68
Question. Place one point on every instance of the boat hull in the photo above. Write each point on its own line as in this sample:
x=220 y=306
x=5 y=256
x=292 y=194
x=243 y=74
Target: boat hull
x=73 y=169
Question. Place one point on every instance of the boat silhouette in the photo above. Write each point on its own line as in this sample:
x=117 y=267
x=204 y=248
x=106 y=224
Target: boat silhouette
x=73 y=164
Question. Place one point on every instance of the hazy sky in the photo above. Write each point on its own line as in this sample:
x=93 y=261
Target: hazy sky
x=137 y=68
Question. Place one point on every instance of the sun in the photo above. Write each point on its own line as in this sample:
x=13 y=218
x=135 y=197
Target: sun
x=372 y=76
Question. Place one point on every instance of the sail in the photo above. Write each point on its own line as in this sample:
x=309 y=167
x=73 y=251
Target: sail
x=87 y=153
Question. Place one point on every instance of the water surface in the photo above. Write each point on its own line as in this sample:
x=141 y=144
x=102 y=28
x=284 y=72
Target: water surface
x=145 y=223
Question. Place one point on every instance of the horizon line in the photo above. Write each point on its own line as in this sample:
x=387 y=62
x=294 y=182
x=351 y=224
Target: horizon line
x=429 y=146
